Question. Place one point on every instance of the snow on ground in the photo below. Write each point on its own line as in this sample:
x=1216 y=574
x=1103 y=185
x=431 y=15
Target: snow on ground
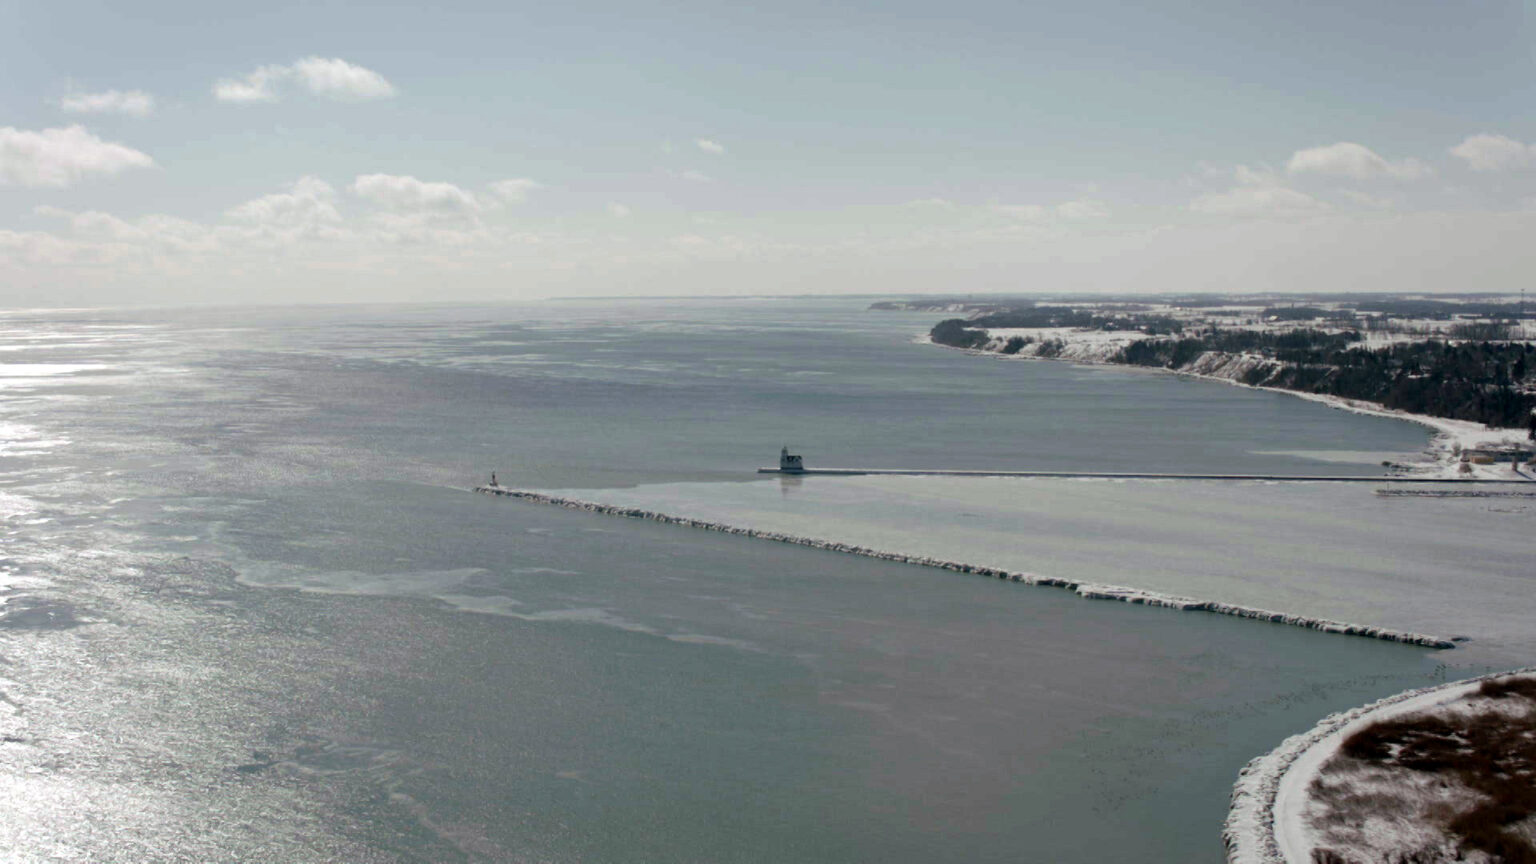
x=1451 y=437
x=1079 y=346
x=1267 y=823
x=1439 y=566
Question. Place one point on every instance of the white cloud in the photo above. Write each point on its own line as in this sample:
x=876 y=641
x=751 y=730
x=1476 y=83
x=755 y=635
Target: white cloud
x=695 y=176
x=134 y=102
x=514 y=190
x=309 y=203
x=709 y=146
x=1355 y=161
x=332 y=78
x=1493 y=152
x=337 y=79
x=1258 y=200
x=618 y=210
x=61 y=156
x=406 y=193
x=259 y=86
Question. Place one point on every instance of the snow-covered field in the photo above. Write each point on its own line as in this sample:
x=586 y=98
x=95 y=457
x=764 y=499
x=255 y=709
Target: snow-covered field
x=1439 y=566
x=1078 y=346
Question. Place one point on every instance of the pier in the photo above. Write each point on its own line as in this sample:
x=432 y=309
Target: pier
x=1108 y=475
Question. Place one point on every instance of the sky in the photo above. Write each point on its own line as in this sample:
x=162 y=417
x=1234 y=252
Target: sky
x=179 y=152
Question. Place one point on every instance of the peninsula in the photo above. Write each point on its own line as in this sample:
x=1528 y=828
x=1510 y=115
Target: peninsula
x=1465 y=365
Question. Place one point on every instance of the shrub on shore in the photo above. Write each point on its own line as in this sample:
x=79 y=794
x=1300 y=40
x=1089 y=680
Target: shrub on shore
x=1478 y=765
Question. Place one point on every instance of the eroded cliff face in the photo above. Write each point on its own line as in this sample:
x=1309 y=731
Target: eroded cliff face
x=1100 y=347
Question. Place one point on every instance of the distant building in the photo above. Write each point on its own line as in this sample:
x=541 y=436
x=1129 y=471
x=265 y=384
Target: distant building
x=1491 y=455
x=790 y=462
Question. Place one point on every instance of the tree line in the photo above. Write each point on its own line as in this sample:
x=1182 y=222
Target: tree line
x=1486 y=382
x=1483 y=381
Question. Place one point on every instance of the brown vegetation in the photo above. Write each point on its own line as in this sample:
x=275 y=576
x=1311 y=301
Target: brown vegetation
x=1488 y=750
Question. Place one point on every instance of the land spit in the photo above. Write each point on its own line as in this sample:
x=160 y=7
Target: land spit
x=1256 y=830
x=1086 y=590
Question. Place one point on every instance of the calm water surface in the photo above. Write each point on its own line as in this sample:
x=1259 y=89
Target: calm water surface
x=252 y=615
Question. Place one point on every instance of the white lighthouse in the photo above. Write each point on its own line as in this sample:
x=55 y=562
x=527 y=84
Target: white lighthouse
x=790 y=462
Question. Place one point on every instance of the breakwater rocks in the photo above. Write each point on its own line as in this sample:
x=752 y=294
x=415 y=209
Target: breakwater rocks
x=1450 y=493
x=1251 y=832
x=1083 y=589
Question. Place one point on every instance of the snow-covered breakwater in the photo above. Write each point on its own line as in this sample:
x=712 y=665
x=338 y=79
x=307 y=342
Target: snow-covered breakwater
x=1450 y=493
x=1087 y=590
x=1254 y=826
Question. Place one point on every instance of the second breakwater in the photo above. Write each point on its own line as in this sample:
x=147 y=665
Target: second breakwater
x=1086 y=590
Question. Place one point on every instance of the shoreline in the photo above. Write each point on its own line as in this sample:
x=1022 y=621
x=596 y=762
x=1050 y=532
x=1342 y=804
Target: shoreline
x=1086 y=590
x=1263 y=824
x=1441 y=450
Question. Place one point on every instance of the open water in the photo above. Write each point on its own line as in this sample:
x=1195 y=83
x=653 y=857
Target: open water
x=251 y=612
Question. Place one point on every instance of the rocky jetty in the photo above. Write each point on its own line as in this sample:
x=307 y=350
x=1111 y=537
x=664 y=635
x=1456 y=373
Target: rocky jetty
x=1087 y=590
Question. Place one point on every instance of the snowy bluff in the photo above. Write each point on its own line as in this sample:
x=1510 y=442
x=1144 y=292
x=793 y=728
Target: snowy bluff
x=1082 y=589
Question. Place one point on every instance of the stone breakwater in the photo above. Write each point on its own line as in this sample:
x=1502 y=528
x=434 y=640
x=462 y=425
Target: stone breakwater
x=1450 y=493
x=1251 y=830
x=1086 y=590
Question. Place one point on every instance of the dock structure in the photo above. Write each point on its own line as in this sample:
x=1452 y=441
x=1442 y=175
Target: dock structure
x=794 y=465
x=1138 y=475
x=1134 y=475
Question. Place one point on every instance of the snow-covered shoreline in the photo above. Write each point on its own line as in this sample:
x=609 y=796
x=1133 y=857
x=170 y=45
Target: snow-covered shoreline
x=1448 y=439
x=1086 y=590
x=1264 y=823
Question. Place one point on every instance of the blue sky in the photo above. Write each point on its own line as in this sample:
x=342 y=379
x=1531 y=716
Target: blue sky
x=194 y=152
